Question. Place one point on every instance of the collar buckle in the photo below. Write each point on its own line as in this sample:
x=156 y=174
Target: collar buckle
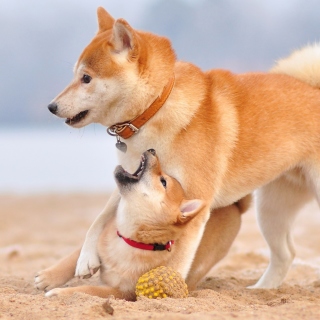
x=159 y=247
x=133 y=128
x=116 y=129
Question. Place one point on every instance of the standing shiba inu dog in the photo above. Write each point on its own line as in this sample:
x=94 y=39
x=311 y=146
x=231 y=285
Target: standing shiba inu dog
x=152 y=218
x=219 y=134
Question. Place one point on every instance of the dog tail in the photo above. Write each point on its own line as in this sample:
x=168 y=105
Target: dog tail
x=303 y=64
x=244 y=203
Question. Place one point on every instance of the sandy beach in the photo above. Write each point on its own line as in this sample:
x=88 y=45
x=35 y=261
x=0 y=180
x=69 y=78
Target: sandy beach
x=37 y=230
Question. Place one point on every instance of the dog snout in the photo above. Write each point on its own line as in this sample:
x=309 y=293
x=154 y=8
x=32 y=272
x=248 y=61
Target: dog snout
x=152 y=151
x=53 y=107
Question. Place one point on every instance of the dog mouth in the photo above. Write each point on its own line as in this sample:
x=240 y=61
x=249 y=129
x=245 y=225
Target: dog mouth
x=123 y=177
x=77 y=118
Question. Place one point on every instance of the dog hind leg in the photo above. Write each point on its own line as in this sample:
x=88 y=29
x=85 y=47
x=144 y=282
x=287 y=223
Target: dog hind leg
x=99 y=291
x=277 y=206
x=313 y=176
x=220 y=231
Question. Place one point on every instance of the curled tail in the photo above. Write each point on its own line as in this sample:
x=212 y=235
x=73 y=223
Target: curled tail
x=303 y=64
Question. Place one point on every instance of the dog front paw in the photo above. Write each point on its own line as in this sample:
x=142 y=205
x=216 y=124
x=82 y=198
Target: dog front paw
x=47 y=280
x=88 y=264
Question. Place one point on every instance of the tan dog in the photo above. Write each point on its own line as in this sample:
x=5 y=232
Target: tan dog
x=219 y=134
x=153 y=217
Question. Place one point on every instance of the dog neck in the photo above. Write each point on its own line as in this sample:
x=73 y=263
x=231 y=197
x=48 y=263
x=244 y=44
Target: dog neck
x=145 y=246
x=128 y=128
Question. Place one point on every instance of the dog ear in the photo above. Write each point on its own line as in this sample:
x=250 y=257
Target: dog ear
x=105 y=20
x=189 y=209
x=125 y=39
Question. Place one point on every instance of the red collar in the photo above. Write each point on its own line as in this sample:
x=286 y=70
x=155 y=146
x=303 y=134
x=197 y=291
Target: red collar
x=144 y=246
x=126 y=129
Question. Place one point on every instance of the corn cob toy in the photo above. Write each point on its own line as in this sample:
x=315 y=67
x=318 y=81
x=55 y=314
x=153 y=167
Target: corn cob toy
x=161 y=282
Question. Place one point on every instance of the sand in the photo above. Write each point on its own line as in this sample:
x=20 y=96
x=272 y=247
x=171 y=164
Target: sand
x=36 y=231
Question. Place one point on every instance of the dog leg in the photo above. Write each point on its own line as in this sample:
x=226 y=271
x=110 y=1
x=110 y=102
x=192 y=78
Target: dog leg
x=58 y=274
x=313 y=176
x=220 y=232
x=102 y=292
x=89 y=262
x=277 y=206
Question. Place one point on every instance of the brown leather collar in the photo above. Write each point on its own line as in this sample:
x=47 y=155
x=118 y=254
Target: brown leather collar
x=128 y=128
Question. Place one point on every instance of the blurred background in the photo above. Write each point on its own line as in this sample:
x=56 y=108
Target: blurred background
x=41 y=41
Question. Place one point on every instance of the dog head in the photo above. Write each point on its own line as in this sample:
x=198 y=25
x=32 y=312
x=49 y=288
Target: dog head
x=117 y=75
x=152 y=206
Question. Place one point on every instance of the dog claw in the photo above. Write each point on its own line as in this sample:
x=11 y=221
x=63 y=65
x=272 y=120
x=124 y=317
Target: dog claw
x=89 y=275
x=94 y=270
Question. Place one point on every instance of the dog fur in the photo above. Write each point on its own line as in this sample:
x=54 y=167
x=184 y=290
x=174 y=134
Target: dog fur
x=152 y=209
x=221 y=135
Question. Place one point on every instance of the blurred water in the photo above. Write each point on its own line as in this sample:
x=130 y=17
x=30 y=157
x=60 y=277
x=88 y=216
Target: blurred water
x=36 y=160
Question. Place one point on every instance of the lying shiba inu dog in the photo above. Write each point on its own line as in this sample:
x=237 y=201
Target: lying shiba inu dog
x=219 y=134
x=152 y=218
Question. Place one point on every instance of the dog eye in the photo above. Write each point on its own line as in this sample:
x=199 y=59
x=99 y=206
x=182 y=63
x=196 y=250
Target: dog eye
x=86 y=78
x=163 y=181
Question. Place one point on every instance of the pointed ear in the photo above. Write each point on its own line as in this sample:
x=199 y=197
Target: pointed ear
x=189 y=209
x=105 y=20
x=125 y=39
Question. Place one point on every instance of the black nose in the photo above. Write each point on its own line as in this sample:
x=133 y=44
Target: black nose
x=53 y=107
x=152 y=151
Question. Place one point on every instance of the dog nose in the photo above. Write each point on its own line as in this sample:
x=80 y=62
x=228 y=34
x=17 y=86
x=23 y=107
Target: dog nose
x=53 y=107
x=152 y=151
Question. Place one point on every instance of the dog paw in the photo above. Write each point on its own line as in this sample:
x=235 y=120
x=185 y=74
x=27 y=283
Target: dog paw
x=46 y=280
x=88 y=264
x=263 y=286
x=252 y=287
x=57 y=292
